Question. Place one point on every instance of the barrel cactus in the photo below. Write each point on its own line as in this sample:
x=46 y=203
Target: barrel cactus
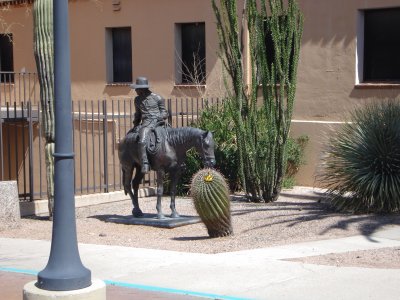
x=210 y=193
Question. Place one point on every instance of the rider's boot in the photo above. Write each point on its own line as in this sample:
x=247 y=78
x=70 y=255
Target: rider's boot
x=143 y=155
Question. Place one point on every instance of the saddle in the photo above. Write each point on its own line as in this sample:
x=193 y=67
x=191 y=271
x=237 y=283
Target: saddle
x=155 y=139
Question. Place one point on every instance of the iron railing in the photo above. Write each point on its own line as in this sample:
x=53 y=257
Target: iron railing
x=98 y=126
x=18 y=88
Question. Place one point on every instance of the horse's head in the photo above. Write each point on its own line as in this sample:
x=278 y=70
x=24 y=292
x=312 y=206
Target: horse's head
x=207 y=149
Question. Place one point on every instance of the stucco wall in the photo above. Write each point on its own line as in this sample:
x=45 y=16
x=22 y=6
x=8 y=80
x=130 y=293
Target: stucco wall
x=327 y=69
x=153 y=49
x=326 y=77
x=327 y=88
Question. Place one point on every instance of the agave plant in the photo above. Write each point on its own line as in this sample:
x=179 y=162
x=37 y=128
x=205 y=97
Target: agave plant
x=361 y=169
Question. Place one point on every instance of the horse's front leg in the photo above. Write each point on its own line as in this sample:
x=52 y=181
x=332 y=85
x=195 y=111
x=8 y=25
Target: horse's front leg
x=160 y=191
x=136 y=211
x=175 y=175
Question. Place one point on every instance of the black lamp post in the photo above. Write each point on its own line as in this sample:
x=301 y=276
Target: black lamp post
x=64 y=270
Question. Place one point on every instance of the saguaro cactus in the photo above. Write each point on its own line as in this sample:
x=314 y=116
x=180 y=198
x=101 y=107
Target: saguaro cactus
x=210 y=193
x=44 y=56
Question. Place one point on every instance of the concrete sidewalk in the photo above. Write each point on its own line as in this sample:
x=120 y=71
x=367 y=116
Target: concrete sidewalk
x=250 y=274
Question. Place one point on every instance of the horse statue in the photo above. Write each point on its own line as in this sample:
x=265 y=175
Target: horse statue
x=166 y=150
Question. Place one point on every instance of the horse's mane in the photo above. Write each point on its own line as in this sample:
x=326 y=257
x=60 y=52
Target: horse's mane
x=183 y=135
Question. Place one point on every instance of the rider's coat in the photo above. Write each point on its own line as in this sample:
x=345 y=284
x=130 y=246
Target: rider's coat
x=150 y=109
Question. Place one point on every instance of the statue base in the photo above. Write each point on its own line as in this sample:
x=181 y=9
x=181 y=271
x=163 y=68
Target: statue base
x=151 y=220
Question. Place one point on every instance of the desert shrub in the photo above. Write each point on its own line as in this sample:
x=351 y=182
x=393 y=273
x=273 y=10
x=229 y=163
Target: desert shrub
x=294 y=159
x=361 y=169
x=219 y=121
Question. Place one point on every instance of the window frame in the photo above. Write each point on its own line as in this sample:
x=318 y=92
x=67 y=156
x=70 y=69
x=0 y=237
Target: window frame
x=179 y=61
x=360 y=80
x=8 y=75
x=110 y=57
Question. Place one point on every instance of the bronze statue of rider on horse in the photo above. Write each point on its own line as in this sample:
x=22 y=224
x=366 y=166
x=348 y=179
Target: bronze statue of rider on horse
x=149 y=112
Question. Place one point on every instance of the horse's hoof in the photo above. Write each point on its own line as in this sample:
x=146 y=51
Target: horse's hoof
x=175 y=215
x=160 y=217
x=137 y=213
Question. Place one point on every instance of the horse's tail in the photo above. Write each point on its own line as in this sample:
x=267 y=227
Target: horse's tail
x=123 y=180
x=126 y=165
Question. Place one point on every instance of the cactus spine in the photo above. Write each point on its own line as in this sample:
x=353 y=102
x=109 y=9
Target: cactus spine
x=44 y=56
x=210 y=193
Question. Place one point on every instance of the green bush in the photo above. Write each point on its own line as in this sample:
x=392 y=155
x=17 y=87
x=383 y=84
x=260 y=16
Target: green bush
x=193 y=164
x=361 y=169
x=219 y=121
x=294 y=159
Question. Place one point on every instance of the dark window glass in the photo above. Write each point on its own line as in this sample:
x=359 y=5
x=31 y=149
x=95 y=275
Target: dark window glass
x=6 y=58
x=382 y=45
x=122 y=54
x=269 y=43
x=193 y=53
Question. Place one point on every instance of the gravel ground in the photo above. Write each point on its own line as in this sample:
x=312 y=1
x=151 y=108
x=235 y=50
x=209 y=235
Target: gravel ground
x=299 y=215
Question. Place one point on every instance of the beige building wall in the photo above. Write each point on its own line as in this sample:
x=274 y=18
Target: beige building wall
x=327 y=77
x=327 y=87
x=153 y=47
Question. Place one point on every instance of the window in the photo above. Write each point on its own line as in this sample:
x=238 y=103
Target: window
x=6 y=58
x=378 y=45
x=269 y=44
x=190 y=60
x=119 y=55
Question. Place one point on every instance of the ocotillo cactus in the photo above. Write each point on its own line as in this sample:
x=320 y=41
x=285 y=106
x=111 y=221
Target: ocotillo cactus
x=44 y=56
x=210 y=193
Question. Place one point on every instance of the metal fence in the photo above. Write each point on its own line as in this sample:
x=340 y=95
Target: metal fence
x=18 y=88
x=98 y=126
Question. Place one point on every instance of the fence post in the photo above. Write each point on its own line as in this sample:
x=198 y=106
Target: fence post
x=30 y=130
x=1 y=144
x=105 y=149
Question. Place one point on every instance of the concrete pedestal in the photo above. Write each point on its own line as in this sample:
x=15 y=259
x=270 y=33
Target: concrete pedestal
x=97 y=291
x=9 y=205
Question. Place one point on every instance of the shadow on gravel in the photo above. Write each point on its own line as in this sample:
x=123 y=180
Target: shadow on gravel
x=314 y=196
x=312 y=207
x=37 y=218
x=190 y=238
x=314 y=211
x=104 y=218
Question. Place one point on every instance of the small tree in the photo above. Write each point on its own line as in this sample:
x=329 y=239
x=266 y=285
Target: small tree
x=262 y=129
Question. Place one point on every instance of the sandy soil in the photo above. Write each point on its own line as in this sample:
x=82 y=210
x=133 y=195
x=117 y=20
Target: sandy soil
x=299 y=215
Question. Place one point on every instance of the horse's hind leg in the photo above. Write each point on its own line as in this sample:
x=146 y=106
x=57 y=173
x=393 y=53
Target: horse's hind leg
x=174 y=182
x=126 y=179
x=160 y=191
x=136 y=211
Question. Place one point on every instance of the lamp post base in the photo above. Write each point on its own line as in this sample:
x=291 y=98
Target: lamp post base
x=96 y=291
